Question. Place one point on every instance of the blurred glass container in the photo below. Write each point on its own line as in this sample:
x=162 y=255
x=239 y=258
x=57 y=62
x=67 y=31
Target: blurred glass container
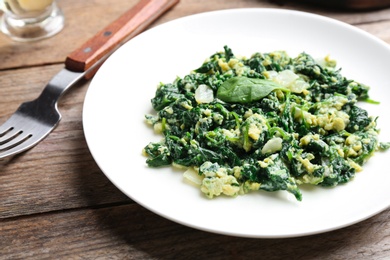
x=352 y=4
x=30 y=20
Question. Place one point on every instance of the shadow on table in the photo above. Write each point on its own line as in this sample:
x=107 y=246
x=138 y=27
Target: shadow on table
x=145 y=234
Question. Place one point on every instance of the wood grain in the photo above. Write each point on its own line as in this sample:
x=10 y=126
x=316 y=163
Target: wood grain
x=132 y=232
x=55 y=202
x=99 y=13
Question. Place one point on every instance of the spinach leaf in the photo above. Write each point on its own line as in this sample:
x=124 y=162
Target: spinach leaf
x=159 y=155
x=276 y=176
x=165 y=95
x=228 y=53
x=358 y=119
x=341 y=172
x=245 y=90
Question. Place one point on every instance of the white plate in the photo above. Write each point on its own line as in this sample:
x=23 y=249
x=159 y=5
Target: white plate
x=119 y=97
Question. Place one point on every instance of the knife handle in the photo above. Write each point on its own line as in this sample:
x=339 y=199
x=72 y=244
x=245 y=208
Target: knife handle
x=110 y=38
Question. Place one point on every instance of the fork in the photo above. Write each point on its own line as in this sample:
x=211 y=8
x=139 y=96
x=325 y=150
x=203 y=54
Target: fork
x=34 y=120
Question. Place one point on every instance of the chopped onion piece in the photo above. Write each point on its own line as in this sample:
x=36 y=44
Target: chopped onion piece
x=286 y=78
x=298 y=86
x=273 y=145
x=204 y=94
x=191 y=175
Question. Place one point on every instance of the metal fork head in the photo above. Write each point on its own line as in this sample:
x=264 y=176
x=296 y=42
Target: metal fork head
x=34 y=120
x=21 y=132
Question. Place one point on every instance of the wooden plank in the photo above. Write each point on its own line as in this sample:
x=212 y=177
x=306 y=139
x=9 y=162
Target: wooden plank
x=57 y=204
x=101 y=12
x=132 y=232
x=379 y=29
x=59 y=173
x=66 y=168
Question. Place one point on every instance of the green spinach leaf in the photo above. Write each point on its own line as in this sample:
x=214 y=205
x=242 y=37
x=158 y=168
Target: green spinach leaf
x=245 y=90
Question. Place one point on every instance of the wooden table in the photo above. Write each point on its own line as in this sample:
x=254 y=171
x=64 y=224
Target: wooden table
x=55 y=202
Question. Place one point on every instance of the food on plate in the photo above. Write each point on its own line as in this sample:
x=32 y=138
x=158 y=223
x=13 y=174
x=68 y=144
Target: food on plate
x=269 y=122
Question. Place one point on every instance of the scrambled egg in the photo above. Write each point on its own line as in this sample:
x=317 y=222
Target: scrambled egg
x=217 y=181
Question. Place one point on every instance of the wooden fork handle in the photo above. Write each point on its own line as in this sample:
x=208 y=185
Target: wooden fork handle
x=125 y=27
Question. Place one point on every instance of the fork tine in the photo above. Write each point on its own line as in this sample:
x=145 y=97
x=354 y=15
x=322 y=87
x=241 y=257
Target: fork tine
x=9 y=134
x=9 y=125
x=19 y=138
x=5 y=127
x=5 y=130
x=14 y=148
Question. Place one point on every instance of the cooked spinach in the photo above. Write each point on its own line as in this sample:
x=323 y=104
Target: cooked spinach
x=269 y=122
